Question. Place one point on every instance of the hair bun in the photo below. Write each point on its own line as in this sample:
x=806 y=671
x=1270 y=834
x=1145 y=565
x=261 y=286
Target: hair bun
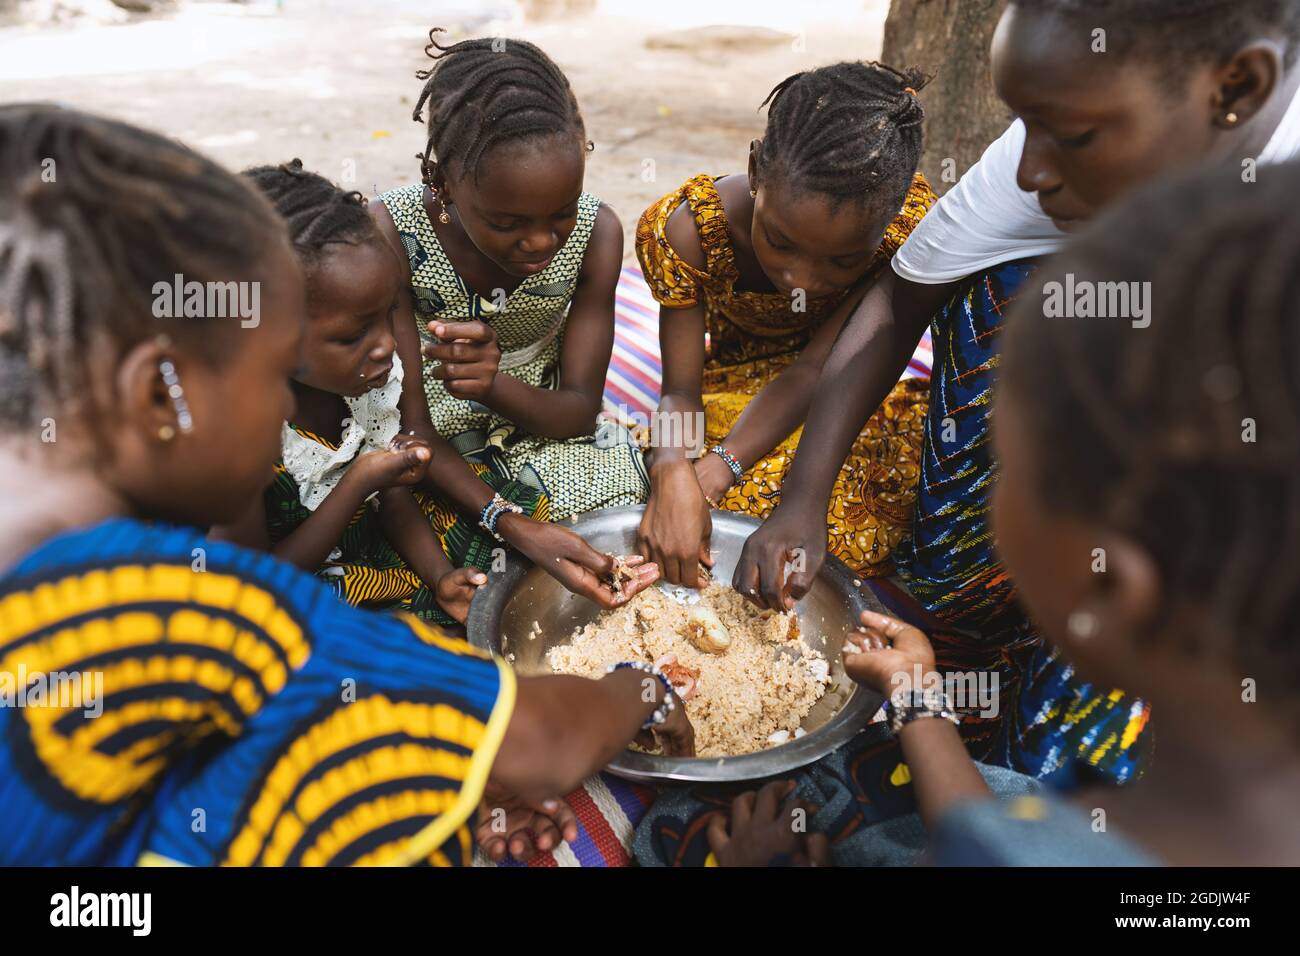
x=909 y=110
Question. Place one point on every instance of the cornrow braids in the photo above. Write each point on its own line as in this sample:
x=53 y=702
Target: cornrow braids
x=484 y=92
x=1179 y=33
x=93 y=213
x=1185 y=434
x=316 y=211
x=851 y=131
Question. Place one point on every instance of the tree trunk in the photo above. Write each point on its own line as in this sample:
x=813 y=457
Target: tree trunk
x=949 y=40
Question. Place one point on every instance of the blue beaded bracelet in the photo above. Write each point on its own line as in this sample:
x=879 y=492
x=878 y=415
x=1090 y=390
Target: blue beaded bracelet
x=492 y=512
x=661 y=712
x=732 y=461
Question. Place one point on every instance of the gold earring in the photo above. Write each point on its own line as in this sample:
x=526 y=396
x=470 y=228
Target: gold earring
x=753 y=193
x=166 y=432
x=442 y=216
x=1232 y=119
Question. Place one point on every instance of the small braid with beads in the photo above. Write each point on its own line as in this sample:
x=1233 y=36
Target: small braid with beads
x=851 y=131
x=1147 y=429
x=488 y=91
x=316 y=211
x=94 y=213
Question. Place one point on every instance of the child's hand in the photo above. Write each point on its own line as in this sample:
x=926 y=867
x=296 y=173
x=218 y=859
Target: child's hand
x=456 y=590
x=763 y=831
x=469 y=357
x=676 y=526
x=675 y=736
x=508 y=824
x=404 y=463
x=885 y=652
x=578 y=566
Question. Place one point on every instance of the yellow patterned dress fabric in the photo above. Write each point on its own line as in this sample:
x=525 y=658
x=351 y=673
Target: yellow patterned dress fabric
x=752 y=337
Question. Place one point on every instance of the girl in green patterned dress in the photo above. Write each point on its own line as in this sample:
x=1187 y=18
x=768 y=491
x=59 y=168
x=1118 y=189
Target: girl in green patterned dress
x=343 y=500
x=512 y=270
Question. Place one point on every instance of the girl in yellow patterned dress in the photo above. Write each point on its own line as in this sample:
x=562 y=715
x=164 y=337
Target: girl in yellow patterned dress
x=755 y=274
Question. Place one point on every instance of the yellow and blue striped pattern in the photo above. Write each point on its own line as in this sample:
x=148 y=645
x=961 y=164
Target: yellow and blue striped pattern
x=248 y=716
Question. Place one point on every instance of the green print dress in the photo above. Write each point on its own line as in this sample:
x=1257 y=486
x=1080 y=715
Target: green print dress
x=600 y=470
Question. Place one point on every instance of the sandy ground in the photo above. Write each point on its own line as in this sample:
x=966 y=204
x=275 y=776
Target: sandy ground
x=669 y=89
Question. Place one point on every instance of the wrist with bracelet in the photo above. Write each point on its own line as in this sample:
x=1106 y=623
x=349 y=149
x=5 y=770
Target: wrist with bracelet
x=905 y=706
x=660 y=713
x=731 y=461
x=492 y=512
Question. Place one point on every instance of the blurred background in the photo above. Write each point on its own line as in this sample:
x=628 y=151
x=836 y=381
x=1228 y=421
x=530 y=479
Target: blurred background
x=669 y=88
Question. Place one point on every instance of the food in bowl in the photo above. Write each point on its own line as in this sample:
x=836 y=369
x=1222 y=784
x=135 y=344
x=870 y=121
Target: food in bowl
x=745 y=675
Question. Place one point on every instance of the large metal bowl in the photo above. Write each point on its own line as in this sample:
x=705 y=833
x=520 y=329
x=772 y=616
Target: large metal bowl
x=503 y=613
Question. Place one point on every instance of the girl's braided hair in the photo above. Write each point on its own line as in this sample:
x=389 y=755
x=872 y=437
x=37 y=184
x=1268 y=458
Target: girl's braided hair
x=488 y=91
x=851 y=131
x=316 y=211
x=93 y=213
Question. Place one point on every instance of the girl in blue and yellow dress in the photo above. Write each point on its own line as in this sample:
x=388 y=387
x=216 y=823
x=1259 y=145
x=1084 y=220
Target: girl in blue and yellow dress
x=179 y=699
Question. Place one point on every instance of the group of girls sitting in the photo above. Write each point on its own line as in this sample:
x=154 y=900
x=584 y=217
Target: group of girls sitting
x=263 y=536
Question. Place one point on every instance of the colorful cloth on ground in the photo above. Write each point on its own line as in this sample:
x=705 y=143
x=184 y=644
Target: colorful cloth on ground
x=632 y=384
x=600 y=470
x=608 y=810
x=751 y=337
x=949 y=566
x=365 y=571
x=245 y=716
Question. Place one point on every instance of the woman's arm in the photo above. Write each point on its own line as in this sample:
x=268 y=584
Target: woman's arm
x=563 y=729
x=943 y=773
x=886 y=655
x=865 y=362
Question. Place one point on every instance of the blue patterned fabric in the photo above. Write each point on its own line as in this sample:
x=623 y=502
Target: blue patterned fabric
x=1052 y=725
x=246 y=716
x=862 y=797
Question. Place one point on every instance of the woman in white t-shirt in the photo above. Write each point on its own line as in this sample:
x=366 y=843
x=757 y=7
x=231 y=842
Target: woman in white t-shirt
x=1107 y=97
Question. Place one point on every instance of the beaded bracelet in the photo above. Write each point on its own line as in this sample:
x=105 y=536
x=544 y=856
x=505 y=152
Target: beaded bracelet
x=732 y=461
x=904 y=707
x=661 y=712
x=492 y=512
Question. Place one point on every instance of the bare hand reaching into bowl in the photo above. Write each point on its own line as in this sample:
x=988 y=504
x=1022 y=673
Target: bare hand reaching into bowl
x=577 y=565
x=886 y=652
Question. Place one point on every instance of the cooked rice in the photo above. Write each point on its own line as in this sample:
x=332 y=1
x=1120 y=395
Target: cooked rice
x=765 y=682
